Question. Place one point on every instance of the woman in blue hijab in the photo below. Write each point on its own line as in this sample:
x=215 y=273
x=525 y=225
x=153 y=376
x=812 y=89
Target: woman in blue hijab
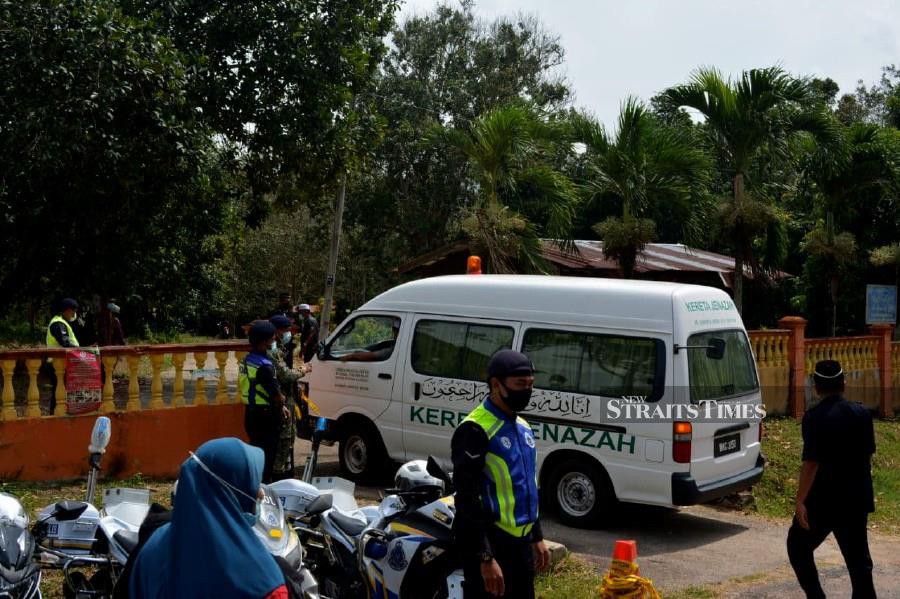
x=209 y=549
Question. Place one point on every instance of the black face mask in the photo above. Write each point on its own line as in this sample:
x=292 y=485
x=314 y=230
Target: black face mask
x=516 y=399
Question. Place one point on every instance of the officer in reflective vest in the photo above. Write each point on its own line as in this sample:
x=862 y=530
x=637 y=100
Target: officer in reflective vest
x=59 y=331
x=265 y=412
x=496 y=528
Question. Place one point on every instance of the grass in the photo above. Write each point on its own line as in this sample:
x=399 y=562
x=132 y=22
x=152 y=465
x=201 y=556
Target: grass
x=571 y=577
x=782 y=445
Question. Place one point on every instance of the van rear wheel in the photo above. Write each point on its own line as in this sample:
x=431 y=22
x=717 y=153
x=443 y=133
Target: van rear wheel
x=362 y=453
x=581 y=493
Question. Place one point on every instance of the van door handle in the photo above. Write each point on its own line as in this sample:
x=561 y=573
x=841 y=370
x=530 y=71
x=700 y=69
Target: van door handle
x=384 y=375
x=417 y=391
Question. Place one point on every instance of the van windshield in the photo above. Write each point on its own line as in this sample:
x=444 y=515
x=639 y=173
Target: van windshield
x=732 y=375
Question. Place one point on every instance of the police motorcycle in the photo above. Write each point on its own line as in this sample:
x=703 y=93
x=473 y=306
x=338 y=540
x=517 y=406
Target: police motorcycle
x=20 y=577
x=74 y=535
x=408 y=551
x=351 y=548
x=324 y=513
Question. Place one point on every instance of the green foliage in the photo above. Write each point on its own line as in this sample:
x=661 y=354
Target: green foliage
x=886 y=255
x=277 y=80
x=446 y=67
x=840 y=248
x=507 y=150
x=624 y=238
x=109 y=183
x=645 y=169
x=759 y=114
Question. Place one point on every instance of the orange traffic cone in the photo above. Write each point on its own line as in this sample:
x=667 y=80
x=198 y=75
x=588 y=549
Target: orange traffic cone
x=624 y=581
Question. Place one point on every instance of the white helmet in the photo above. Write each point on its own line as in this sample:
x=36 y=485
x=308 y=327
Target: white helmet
x=414 y=475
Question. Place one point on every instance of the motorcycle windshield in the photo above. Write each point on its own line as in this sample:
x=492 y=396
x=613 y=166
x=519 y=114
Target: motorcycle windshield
x=271 y=525
x=12 y=512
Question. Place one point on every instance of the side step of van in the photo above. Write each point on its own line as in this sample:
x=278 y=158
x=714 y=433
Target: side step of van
x=685 y=490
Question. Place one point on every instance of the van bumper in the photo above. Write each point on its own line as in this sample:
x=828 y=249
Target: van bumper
x=686 y=491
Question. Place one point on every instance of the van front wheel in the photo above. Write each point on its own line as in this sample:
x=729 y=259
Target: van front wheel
x=581 y=493
x=362 y=455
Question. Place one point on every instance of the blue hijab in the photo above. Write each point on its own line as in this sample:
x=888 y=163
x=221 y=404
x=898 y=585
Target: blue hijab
x=209 y=548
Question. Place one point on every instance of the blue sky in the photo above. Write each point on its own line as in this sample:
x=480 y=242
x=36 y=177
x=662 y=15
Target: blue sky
x=641 y=46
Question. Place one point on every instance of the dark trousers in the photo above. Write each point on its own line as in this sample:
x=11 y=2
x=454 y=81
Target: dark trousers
x=263 y=426
x=850 y=534
x=516 y=560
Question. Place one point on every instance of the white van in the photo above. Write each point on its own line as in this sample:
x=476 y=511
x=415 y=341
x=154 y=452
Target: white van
x=403 y=371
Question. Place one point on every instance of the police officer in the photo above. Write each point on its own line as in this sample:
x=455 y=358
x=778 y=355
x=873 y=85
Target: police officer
x=60 y=332
x=835 y=490
x=496 y=528
x=265 y=405
x=287 y=378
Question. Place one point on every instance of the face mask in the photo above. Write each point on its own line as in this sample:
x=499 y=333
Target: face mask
x=250 y=518
x=286 y=337
x=516 y=399
x=274 y=346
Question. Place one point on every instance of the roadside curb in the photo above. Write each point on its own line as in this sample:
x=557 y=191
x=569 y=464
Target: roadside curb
x=557 y=551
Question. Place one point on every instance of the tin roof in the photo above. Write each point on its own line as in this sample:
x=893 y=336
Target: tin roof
x=588 y=255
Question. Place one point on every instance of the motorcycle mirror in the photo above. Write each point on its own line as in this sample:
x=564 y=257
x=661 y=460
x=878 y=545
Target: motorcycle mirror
x=100 y=435
x=375 y=549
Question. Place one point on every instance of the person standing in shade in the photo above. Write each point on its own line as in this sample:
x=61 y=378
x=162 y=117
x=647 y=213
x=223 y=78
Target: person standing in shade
x=835 y=492
x=60 y=332
x=496 y=529
x=287 y=379
x=309 y=332
x=264 y=403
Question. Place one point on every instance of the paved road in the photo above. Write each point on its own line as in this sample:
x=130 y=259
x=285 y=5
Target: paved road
x=699 y=545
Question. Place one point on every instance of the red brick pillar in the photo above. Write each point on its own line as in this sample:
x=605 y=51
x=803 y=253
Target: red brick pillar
x=797 y=360
x=885 y=332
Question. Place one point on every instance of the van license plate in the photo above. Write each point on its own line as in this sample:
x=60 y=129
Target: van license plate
x=727 y=444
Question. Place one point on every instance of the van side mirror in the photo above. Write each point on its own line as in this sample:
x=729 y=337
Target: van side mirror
x=716 y=349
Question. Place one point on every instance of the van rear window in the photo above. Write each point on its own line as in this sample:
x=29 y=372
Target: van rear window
x=605 y=365
x=732 y=375
x=457 y=350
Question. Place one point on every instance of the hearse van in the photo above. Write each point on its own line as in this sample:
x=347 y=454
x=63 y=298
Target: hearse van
x=645 y=392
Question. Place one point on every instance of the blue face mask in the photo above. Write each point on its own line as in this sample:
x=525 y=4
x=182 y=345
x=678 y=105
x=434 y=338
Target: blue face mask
x=274 y=346
x=286 y=337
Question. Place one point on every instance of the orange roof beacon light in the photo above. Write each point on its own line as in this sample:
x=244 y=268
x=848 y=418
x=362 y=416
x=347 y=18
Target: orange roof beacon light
x=473 y=265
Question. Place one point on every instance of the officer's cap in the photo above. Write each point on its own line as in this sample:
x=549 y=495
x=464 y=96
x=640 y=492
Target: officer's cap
x=261 y=330
x=68 y=303
x=280 y=321
x=828 y=374
x=507 y=362
x=303 y=307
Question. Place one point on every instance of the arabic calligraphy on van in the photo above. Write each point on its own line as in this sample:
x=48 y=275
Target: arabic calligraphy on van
x=542 y=401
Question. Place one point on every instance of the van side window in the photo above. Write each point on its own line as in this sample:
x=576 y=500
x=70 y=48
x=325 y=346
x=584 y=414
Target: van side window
x=605 y=365
x=457 y=350
x=366 y=339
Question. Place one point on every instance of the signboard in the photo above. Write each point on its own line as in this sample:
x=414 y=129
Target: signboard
x=881 y=304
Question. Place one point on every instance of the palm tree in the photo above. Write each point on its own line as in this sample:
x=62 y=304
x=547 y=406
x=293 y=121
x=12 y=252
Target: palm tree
x=645 y=163
x=761 y=112
x=837 y=176
x=511 y=151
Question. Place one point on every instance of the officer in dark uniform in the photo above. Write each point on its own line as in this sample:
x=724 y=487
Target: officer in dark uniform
x=266 y=411
x=496 y=529
x=835 y=490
